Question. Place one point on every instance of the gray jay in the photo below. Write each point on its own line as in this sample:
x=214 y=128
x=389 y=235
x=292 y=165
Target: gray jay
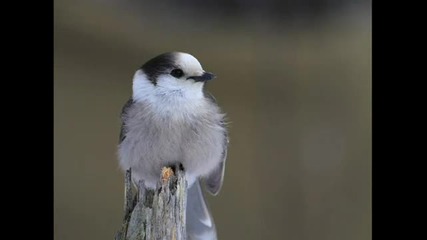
x=171 y=119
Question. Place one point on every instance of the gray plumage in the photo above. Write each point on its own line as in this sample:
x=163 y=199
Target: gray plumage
x=172 y=119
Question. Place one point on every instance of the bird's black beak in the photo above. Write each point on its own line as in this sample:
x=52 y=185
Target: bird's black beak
x=206 y=76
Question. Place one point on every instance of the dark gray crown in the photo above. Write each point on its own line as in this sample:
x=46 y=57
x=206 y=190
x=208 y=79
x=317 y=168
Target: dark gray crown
x=162 y=64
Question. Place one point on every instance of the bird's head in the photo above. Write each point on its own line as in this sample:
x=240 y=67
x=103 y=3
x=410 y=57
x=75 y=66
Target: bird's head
x=170 y=74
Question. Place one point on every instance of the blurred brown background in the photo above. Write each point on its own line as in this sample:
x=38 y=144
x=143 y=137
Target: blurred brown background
x=293 y=76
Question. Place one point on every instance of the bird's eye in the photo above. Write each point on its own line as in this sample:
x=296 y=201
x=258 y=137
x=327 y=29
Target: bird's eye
x=177 y=73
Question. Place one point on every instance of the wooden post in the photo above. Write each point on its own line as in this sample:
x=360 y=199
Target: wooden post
x=155 y=214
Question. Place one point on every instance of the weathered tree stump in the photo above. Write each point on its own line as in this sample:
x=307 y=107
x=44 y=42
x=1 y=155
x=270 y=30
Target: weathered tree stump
x=155 y=214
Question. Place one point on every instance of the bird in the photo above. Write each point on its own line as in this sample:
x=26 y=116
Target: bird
x=172 y=119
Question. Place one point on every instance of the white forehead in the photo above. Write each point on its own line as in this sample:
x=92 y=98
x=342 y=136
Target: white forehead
x=188 y=63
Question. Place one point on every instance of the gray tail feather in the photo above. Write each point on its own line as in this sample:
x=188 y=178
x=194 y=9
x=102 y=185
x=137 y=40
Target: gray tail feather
x=200 y=224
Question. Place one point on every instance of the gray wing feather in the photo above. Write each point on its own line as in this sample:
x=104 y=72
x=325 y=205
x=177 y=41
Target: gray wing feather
x=200 y=224
x=123 y=116
x=215 y=179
